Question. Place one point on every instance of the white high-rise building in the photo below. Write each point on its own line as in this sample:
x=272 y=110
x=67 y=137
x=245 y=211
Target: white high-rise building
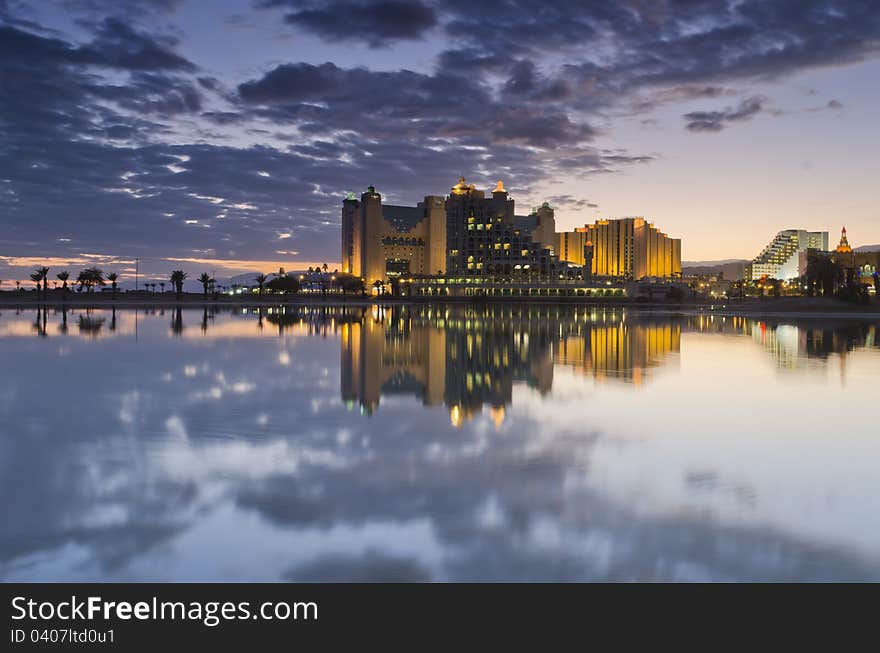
x=780 y=259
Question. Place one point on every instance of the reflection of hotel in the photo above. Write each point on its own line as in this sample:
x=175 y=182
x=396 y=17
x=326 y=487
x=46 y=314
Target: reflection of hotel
x=379 y=357
x=468 y=357
x=469 y=234
x=620 y=351
x=791 y=345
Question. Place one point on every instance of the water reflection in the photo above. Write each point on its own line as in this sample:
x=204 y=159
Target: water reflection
x=470 y=358
x=434 y=443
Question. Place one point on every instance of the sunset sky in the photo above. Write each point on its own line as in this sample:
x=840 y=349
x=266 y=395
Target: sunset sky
x=223 y=135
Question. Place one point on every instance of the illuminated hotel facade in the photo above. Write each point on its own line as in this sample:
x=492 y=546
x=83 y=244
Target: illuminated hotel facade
x=472 y=235
x=379 y=240
x=627 y=248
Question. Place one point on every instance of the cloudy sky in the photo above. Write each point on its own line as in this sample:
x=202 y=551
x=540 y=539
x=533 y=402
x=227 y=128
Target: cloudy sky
x=223 y=135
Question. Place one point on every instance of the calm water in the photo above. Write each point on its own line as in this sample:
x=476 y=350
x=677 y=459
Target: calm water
x=431 y=444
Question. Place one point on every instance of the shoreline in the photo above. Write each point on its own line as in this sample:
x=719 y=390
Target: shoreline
x=792 y=307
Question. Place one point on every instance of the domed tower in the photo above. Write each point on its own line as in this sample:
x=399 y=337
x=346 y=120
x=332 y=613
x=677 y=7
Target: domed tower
x=461 y=188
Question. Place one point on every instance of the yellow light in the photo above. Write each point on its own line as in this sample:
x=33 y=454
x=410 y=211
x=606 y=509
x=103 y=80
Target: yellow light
x=455 y=416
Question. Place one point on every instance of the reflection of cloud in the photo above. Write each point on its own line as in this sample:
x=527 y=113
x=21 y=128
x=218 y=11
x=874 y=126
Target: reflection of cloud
x=176 y=428
x=374 y=566
x=283 y=481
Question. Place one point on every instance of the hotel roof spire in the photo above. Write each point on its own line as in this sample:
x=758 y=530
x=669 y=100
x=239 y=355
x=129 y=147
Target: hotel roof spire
x=843 y=246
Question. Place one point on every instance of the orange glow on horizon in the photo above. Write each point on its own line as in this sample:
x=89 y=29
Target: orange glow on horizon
x=124 y=266
x=238 y=266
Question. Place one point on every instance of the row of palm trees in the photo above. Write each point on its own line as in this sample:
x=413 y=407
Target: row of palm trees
x=87 y=279
x=90 y=278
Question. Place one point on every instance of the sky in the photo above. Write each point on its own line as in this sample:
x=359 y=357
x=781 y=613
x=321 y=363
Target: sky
x=222 y=136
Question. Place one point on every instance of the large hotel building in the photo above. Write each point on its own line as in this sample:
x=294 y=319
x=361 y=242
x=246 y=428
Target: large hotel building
x=783 y=257
x=628 y=248
x=469 y=234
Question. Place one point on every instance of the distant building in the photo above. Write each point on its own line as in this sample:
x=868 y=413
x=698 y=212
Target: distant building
x=843 y=246
x=576 y=247
x=707 y=285
x=861 y=267
x=781 y=259
x=627 y=248
x=470 y=237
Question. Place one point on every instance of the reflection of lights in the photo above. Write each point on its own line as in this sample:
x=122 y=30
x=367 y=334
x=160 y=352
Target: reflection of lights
x=497 y=414
x=455 y=416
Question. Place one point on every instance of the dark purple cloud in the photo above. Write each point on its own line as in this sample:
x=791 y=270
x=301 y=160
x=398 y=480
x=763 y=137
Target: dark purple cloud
x=715 y=121
x=377 y=22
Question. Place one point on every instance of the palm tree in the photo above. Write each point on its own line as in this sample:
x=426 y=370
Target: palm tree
x=43 y=272
x=177 y=320
x=325 y=267
x=206 y=280
x=40 y=323
x=379 y=285
x=89 y=278
x=37 y=277
x=177 y=278
x=261 y=280
x=113 y=278
x=63 y=276
x=161 y=283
